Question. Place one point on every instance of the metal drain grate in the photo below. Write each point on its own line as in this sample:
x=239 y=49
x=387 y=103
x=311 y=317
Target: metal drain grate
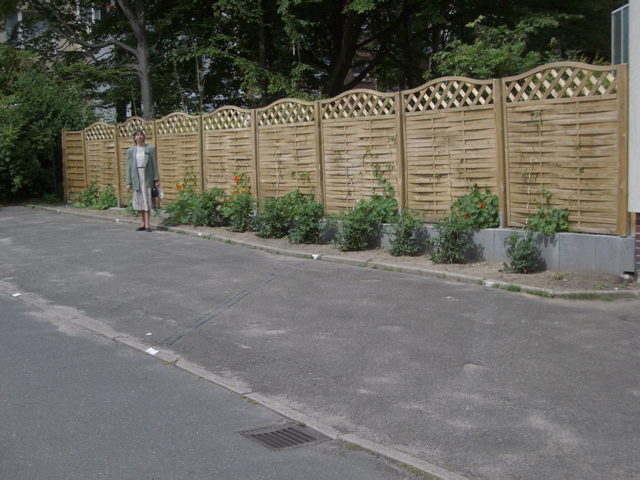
x=284 y=436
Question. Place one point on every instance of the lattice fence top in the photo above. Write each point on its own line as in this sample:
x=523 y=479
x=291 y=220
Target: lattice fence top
x=451 y=92
x=100 y=131
x=561 y=80
x=132 y=124
x=287 y=112
x=178 y=123
x=358 y=104
x=227 y=118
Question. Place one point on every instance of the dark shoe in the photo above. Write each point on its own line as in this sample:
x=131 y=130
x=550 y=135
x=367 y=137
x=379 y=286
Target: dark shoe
x=148 y=229
x=139 y=229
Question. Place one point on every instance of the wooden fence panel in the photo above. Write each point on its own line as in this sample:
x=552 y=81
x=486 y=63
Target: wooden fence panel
x=179 y=153
x=557 y=130
x=359 y=134
x=100 y=155
x=287 y=149
x=450 y=131
x=227 y=147
x=74 y=173
x=562 y=142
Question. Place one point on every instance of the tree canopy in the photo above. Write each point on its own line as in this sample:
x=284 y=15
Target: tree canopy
x=195 y=55
x=35 y=105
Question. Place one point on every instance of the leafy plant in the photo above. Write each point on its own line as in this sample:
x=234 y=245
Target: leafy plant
x=274 y=218
x=36 y=103
x=549 y=219
x=239 y=208
x=384 y=208
x=523 y=253
x=106 y=198
x=191 y=208
x=402 y=234
x=307 y=215
x=361 y=223
x=496 y=51
x=480 y=209
x=356 y=226
x=87 y=196
x=92 y=197
x=452 y=241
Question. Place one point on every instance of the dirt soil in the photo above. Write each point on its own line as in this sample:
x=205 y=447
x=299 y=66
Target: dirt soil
x=555 y=283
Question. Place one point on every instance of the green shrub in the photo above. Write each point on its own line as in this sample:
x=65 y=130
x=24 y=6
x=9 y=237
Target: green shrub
x=274 y=218
x=87 y=196
x=239 y=210
x=523 y=253
x=549 y=219
x=240 y=207
x=402 y=234
x=307 y=215
x=207 y=209
x=355 y=227
x=480 y=210
x=361 y=223
x=92 y=197
x=192 y=208
x=452 y=241
x=106 y=198
x=295 y=216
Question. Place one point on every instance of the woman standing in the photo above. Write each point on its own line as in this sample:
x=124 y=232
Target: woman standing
x=142 y=175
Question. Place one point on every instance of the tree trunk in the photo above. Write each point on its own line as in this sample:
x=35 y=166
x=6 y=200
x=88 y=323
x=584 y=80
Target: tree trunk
x=346 y=32
x=137 y=21
x=146 y=85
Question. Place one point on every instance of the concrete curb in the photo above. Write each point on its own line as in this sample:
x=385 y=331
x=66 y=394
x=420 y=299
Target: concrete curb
x=487 y=282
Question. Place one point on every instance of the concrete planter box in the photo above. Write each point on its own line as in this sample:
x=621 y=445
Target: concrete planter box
x=563 y=252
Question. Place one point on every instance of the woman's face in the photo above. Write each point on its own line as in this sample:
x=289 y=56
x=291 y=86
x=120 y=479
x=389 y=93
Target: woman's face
x=139 y=138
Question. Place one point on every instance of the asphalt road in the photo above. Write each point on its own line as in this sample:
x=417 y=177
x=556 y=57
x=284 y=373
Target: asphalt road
x=463 y=381
x=76 y=405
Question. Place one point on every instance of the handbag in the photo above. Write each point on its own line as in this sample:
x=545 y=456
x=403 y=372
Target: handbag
x=154 y=192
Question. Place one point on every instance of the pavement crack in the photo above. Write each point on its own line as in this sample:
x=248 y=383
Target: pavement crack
x=203 y=319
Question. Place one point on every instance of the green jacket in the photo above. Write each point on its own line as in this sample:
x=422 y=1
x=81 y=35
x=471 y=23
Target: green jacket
x=150 y=167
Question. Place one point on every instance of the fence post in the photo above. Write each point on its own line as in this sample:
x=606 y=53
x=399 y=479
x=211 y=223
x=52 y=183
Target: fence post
x=622 y=76
x=319 y=152
x=255 y=151
x=84 y=155
x=65 y=167
x=502 y=156
x=116 y=146
x=401 y=162
x=201 y=151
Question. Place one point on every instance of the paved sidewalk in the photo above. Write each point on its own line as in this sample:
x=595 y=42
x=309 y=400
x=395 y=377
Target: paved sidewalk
x=460 y=380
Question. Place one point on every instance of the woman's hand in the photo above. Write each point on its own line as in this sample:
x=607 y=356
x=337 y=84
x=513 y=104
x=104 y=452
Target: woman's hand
x=128 y=186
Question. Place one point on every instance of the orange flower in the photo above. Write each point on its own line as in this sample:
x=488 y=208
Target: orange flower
x=467 y=216
x=86 y=183
x=482 y=205
x=236 y=179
